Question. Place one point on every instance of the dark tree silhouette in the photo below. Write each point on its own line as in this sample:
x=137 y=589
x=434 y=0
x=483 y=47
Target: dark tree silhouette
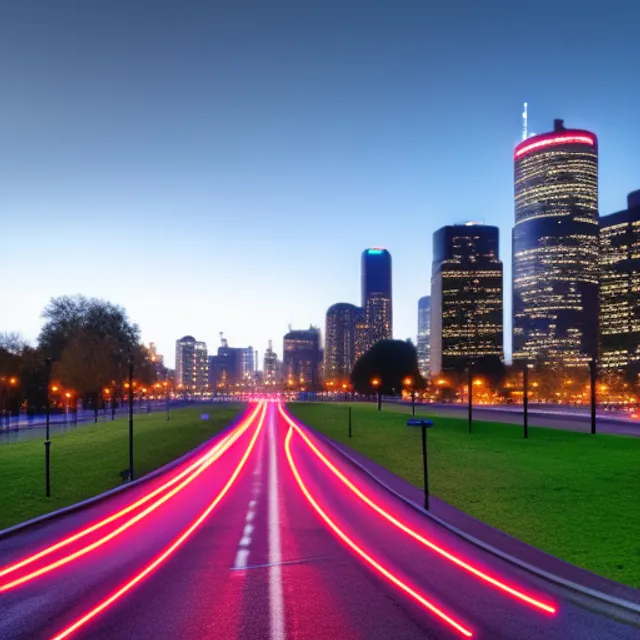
x=390 y=362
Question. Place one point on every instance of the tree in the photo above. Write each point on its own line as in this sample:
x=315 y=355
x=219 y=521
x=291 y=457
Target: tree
x=67 y=315
x=390 y=362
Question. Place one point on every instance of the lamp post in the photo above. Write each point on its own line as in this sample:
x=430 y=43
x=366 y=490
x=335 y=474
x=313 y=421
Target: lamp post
x=470 y=396
x=593 y=370
x=47 y=441
x=166 y=387
x=408 y=382
x=525 y=400
x=424 y=425
x=375 y=383
x=130 y=421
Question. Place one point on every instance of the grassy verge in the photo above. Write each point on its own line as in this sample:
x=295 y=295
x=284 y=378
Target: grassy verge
x=88 y=460
x=573 y=495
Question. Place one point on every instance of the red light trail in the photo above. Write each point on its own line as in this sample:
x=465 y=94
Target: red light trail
x=459 y=627
x=130 y=584
x=200 y=466
x=548 y=608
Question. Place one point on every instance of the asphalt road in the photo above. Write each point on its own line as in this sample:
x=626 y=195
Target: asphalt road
x=568 y=418
x=287 y=550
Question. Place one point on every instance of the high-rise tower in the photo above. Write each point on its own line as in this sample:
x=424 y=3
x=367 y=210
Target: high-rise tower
x=340 y=341
x=423 y=342
x=376 y=294
x=555 y=248
x=466 y=296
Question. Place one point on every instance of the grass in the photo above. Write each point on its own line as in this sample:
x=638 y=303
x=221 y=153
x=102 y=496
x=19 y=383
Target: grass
x=89 y=459
x=571 y=494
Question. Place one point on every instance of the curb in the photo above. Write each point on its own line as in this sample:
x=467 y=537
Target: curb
x=626 y=605
x=77 y=506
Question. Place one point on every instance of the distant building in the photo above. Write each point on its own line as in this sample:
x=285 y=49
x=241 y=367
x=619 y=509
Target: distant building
x=424 y=335
x=191 y=365
x=555 y=248
x=620 y=289
x=271 y=373
x=376 y=294
x=231 y=368
x=340 y=341
x=302 y=358
x=466 y=296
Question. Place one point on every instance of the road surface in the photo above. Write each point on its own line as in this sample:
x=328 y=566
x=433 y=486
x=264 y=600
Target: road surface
x=554 y=417
x=269 y=538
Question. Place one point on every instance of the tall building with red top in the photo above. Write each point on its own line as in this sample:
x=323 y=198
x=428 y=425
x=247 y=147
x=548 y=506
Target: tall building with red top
x=555 y=248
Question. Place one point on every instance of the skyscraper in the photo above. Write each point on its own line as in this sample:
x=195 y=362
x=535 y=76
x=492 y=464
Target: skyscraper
x=302 y=358
x=466 y=296
x=555 y=247
x=620 y=289
x=376 y=294
x=340 y=341
x=192 y=365
x=270 y=368
x=424 y=334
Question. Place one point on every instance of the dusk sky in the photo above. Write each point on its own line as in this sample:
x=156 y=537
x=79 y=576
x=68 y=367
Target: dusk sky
x=220 y=166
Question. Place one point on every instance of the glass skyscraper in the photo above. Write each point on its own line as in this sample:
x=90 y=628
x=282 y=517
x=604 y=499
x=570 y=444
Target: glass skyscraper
x=466 y=296
x=376 y=294
x=620 y=289
x=340 y=341
x=555 y=248
x=424 y=337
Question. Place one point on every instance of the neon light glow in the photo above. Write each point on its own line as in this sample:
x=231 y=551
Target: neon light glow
x=125 y=588
x=374 y=252
x=414 y=534
x=523 y=148
x=460 y=628
x=98 y=525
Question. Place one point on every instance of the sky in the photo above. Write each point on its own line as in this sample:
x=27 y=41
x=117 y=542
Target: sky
x=220 y=166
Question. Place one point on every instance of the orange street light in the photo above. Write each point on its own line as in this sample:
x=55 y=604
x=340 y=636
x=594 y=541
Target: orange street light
x=13 y=381
x=54 y=388
x=107 y=391
x=344 y=386
x=375 y=382
x=67 y=395
x=477 y=382
x=407 y=381
x=442 y=381
x=126 y=385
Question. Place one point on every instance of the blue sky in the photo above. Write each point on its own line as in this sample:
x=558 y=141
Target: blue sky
x=221 y=166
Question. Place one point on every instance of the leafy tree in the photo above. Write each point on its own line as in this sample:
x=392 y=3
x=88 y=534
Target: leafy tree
x=390 y=362
x=67 y=315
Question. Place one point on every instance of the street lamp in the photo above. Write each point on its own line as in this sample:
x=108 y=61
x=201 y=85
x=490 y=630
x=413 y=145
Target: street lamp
x=375 y=383
x=408 y=382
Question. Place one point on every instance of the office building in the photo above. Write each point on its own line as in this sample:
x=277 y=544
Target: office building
x=466 y=296
x=271 y=367
x=620 y=289
x=232 y=368
x=191 y=365
x=340 y=341
x=302 y=359
x=555 y=248
x=424 y=335
x=376 y=294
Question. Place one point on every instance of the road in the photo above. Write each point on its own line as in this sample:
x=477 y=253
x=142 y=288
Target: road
x=269 y=538
x=553 y=417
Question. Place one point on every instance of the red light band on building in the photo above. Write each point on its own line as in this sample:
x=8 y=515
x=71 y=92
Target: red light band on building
x=524 y=148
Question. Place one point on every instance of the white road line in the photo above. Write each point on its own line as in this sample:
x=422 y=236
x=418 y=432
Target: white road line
x=276 y=603
x=241 y=559
x=250 y=515
x=248 y=530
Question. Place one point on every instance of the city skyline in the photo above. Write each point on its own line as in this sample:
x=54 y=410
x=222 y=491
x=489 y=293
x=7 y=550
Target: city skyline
x=153 y=181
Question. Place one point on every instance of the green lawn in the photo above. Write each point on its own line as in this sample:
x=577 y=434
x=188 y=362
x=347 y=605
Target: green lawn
x=573 y=495
x=89 y=459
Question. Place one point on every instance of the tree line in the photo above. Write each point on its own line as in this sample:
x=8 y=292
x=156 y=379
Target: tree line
x=90 y=343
